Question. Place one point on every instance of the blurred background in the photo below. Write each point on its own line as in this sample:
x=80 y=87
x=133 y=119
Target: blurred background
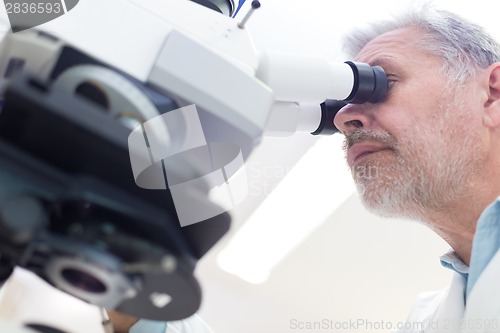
x=302 y=249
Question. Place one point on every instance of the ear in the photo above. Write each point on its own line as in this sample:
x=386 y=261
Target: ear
x=491 y=116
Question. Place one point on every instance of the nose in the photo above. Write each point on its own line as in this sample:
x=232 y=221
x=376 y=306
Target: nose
x=353 y=116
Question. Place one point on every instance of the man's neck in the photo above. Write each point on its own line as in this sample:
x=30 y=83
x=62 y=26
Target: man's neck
x=457 y=223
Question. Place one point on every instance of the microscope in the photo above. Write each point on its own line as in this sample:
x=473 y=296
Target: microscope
x=118 y=120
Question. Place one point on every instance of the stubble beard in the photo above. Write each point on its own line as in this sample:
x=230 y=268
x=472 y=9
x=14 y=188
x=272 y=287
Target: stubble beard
x=421 y=173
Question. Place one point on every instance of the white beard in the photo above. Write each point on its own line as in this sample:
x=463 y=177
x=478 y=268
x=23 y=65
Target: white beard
x=423 y=173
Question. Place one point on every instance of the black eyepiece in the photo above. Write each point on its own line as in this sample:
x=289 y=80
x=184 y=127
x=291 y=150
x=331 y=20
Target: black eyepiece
x=370 y=83
x=329 y=110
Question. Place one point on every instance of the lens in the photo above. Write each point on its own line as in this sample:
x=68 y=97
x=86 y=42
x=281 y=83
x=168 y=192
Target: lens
x=83 y=281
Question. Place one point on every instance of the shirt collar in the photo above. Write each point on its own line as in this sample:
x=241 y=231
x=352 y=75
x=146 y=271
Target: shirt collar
x=452 y=261
x=485 y=244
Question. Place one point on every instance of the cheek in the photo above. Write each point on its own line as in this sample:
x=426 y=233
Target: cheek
x=402 y=119
x=445 y=132
x=413 y=109
x=398 y=111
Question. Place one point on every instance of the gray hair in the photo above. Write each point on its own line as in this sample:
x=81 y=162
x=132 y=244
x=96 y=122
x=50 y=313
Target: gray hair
x=465 y=47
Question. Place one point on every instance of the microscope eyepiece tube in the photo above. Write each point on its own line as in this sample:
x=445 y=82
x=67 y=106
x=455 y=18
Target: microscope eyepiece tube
x=313 y=79
x=287 y=118
x=304 y=79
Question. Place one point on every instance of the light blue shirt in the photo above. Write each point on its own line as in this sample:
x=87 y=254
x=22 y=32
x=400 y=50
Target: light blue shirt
x=485 y=245
x=149 y=326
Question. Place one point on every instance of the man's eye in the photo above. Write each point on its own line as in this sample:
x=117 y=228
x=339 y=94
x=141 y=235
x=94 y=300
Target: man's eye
x=391 y=79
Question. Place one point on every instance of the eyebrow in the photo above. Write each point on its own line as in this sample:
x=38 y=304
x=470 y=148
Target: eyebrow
x=382 y=62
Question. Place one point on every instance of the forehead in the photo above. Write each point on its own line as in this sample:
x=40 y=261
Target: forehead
x=396 y=47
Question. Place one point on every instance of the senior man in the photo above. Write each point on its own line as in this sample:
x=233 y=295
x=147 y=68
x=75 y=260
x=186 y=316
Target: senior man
x=435 y=145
